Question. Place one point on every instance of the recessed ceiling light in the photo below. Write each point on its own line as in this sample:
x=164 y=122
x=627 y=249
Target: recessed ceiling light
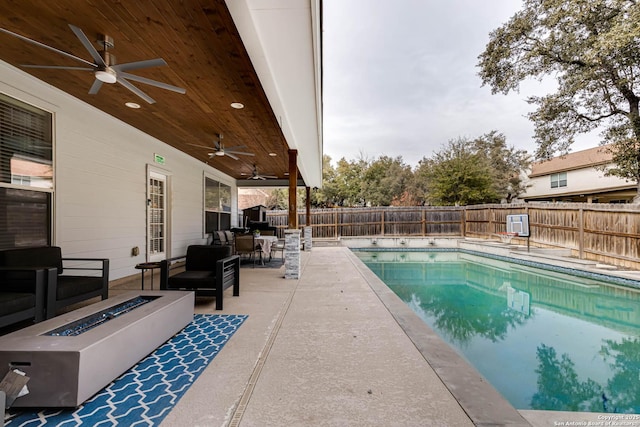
x=243 y=173
x=132 y=105
x=286 y=173
x=237 y=105
x=273 y=154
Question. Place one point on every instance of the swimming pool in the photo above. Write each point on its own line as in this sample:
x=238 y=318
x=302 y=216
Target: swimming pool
x=544 y=339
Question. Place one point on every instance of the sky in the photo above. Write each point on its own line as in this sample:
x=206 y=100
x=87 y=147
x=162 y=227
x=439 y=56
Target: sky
x=400 y=79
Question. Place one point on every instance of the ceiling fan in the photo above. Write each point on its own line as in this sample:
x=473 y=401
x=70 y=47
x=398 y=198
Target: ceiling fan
x=256 y=175
x=104 y=67
x=220 y=150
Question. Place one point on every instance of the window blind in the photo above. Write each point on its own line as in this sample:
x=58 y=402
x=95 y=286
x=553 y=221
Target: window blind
x=26 y=154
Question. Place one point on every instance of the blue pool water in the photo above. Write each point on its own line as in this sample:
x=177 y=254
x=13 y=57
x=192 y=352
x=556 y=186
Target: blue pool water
x=544 y=339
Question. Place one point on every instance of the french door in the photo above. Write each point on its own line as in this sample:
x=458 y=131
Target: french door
x=157 y=215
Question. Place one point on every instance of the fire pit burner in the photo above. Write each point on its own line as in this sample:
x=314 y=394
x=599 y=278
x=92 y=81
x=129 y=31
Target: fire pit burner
x=87 y=323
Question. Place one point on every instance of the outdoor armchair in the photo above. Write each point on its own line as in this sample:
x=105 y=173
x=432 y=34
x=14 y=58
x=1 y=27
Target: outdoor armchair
x=208 y=271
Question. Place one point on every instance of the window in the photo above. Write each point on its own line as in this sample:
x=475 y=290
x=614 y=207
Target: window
x=559 y=180
x=217 y=205
x=26 y=174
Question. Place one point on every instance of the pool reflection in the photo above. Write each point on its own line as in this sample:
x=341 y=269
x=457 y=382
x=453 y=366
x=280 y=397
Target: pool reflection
x=544 y=339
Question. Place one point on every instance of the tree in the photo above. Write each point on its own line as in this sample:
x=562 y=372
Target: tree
x=385 y=180
x=349 y=179
x=458 y=175
x=559 y=388
x=278 y=199
x=592 y=49
x=507 y=163
x=325 y=196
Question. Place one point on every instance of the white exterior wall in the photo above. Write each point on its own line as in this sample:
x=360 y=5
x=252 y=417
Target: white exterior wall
x=100 y=182
x=587 y=181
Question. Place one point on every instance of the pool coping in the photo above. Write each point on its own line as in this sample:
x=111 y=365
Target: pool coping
x=484 y=405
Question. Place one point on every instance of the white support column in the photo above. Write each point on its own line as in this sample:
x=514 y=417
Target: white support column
x=291 y=254
x=307 y=238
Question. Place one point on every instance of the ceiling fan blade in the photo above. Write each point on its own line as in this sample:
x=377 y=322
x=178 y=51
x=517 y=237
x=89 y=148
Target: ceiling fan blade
x=95 y=87
x=59 y=67
x=151 y=82
x=198 y=145
x=236 y=147
x=227 y=151
x=53 y=49
x=158 y=62
x=135 y=90
x=228 y=154
x=87 y=45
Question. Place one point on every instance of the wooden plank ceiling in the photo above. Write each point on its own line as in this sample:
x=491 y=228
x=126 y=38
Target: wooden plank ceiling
x=205 y=56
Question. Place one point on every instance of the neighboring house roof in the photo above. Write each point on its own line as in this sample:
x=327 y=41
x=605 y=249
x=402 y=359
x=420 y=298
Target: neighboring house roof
x=249 y=197
x=578 y=160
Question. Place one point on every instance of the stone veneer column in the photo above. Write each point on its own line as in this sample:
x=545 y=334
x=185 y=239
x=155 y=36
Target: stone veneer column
x=291 y=254
x=307 y=238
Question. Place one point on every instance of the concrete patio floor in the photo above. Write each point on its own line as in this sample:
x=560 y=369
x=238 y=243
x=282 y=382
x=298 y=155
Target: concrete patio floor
x=338 y=348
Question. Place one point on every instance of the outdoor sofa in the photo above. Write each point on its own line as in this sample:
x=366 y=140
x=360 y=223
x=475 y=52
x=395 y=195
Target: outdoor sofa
x=66 y=280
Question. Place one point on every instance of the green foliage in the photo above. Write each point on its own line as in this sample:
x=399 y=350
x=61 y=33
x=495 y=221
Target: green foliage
x=506 y=163
x=385 y=180
x=466 y=172
x=346 y=187
x=459 y=175
x=327 y=195
x=559 y=388
x=624 y=358
x=592 y=49
x=483 y=170
x=278 y=199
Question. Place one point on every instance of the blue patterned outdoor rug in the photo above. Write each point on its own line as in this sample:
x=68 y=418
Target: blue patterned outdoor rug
x=146 y=393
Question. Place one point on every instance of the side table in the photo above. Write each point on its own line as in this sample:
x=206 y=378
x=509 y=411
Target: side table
x=144 y=266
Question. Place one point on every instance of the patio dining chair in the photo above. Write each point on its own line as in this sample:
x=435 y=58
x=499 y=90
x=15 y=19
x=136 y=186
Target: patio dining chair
x=245 y=244
x=277 y=246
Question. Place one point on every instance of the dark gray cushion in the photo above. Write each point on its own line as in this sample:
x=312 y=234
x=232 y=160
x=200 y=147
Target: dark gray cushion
x=204 y=257
x=14 y=302
x=193 y=280
x=44 y=256
x=71 y=286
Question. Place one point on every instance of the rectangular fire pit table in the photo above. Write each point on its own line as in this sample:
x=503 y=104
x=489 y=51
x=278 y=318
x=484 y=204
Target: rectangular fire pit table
x=73 y=356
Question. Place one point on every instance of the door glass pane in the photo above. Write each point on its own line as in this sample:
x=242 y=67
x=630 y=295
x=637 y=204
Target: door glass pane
x=156 y=216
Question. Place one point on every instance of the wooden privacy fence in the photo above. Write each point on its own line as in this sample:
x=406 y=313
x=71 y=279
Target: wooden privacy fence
x=599 y=232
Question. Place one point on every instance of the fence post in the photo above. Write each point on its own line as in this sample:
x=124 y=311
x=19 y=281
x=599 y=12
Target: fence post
x=335 y=221
x=490 y=228
x=581 y=233
x=424 y=222
x=463 y=223
x=382 y=222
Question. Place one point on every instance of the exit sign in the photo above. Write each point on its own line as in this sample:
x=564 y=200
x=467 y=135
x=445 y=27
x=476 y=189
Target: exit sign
x=158 y=159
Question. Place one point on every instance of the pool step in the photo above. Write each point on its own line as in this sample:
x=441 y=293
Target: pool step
x=557 y=257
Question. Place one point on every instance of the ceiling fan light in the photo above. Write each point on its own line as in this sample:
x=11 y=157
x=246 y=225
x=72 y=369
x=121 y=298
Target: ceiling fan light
x=219 y=153
x=106 y=76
